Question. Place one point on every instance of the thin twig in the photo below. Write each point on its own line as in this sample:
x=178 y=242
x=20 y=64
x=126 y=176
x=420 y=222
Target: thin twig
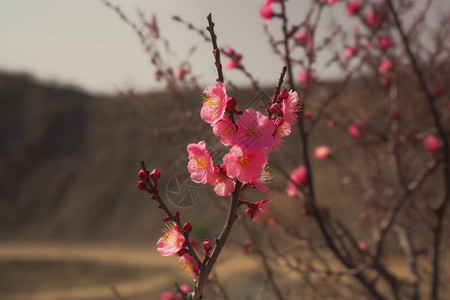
x=216 y=49
x=440 y=210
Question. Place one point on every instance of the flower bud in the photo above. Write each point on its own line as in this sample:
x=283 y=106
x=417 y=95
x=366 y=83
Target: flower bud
x=143 y=175
x=141 y=185
x=176 y=214
x=155 y=174
x=187 y=227
x=283 y=94
x=431 y=143
x=207 y=245
x=275 y=108
x=231 y=103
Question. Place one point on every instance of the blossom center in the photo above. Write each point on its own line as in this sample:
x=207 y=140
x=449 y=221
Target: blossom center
x=201 y=163
x=253 y=132
x=244 y=161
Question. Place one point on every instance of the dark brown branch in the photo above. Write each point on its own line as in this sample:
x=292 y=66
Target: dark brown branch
x=216 y=49
x=206 y=269
x=280 y=82
x=440 y=211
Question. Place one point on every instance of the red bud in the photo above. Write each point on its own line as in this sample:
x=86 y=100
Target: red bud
x=141 y=185
x=207 y=245
x=143 y=175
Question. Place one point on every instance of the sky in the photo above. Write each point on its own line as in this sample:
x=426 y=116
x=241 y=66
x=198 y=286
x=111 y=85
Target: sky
x=83 y=43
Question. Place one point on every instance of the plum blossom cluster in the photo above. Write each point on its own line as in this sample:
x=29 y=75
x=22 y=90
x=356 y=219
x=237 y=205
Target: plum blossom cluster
x=250 y=134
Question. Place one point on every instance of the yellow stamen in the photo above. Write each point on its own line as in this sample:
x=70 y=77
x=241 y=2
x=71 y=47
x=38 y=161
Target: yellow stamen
x=245 y=161
x=200 y=163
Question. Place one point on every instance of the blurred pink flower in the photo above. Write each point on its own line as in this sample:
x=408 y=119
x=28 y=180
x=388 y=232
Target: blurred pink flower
x=170 y=296
x=322 y=152
x=330 y=124
x=266 y=12
x=353 y=7
x=189 y=264
x=181 y=73
x=354 y=131
x=234 y=61
x=255 y=131
x=432 y=143
x=200 y=163
x=437 y=91
x=300 y=177
x=374 y=19
x=306 y=77
x=385 y=42
x=171 y=242
x=385 y=66
x=302 y=37
x=350 y=51
x=215 y=100
x=331 y=2
x=259 y=210
x=246 y=165
x=362 y=246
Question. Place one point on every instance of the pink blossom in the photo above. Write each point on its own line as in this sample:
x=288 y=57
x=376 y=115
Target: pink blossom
x=353 y=7
x=231 y=64
x=170 y=296
x=385 y=66
x=322 y=152
x=290 y=107
x=226 y=131
x=350 y=51
x=385 y=42
x=374 y=18
x=223 y=185
x=302 y=37
x=245 y=164
x=310 y=45
x=331 y=2
x=255 y=131
x=181 y=73
x=266 y=12
x=362 y=246
x=282 y=130
x=234 y=61
x=300 y=177
x=437 y=91
x=330 y=124
x=200 y=163
x=263 y=181
x=431 y=143
x=171 y=242
x=185 y=288
x=258 y=210
x=396 y=113
x=308 y=115
x=354 y=131
x=189 y=264
x=306 y=77
x=215 y=100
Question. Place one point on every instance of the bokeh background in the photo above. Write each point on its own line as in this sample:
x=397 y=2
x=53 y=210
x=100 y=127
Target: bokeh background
x=72 y=223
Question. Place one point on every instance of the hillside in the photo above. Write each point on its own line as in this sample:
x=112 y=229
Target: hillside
x=69 y=162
